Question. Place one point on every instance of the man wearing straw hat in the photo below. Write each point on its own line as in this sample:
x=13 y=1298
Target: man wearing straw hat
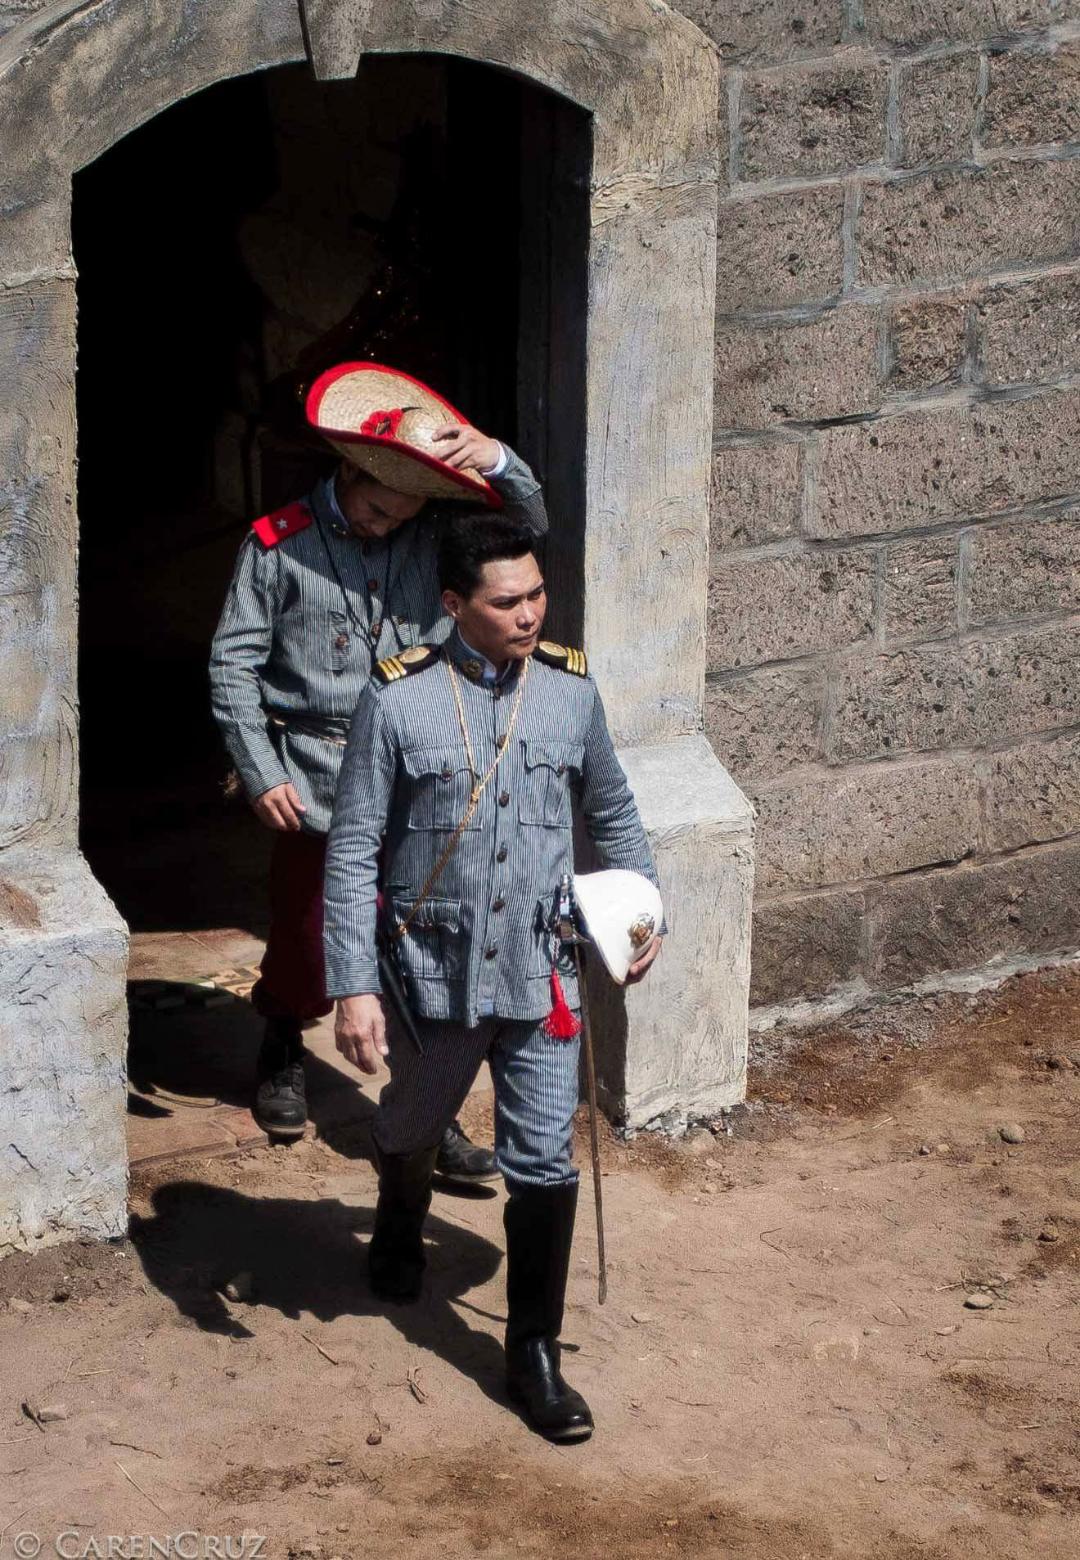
x=461 y=768
x=323 y=590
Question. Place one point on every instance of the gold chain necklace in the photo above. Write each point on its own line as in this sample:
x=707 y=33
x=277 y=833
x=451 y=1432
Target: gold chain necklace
x=504 y=741
x=478 y=787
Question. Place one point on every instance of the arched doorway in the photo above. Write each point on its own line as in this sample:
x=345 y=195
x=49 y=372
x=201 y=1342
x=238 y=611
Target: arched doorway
x=228 y=251
x=630 y=499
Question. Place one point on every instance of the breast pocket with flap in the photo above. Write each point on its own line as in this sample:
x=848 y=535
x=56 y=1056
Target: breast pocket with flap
x=550 y=769
x=440 y=784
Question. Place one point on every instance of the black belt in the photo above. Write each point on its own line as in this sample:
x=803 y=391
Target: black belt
x=328 y=728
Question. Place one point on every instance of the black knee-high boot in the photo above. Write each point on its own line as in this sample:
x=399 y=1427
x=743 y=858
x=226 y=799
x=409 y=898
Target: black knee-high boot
x=396 y=1254
x=539 y=1224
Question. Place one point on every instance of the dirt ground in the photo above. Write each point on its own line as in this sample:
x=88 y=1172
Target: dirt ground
x=786 y=1368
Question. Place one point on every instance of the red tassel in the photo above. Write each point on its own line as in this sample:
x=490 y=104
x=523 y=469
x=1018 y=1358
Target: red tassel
x=560 y=1023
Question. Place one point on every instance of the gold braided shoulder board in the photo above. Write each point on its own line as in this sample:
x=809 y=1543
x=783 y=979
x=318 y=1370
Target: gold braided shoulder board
x=417 y=658
x=562 y=656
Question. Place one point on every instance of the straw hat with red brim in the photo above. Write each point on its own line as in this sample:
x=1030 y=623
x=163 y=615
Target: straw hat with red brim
x=384 y=421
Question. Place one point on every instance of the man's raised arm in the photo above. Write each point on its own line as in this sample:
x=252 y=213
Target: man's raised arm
x=522 y=495
x=516 y=483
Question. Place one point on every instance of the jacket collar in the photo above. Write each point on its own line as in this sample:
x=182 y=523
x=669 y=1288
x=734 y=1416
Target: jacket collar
x=476 y=667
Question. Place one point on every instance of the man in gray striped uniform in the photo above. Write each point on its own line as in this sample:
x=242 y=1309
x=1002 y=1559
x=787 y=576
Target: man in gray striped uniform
x=322 y=590
x=460 y=770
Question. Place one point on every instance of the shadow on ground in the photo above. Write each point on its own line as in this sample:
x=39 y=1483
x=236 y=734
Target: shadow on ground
x=183 y=1054
x=307 y=1257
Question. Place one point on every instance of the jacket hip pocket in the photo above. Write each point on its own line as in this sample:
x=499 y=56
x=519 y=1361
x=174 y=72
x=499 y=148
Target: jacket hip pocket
x=432 y=948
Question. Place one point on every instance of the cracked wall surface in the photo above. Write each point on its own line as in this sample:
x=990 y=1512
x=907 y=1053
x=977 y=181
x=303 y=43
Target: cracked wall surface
x=63 y=1034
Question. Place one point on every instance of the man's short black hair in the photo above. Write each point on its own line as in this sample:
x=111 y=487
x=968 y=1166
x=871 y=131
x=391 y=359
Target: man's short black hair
x=469 y=541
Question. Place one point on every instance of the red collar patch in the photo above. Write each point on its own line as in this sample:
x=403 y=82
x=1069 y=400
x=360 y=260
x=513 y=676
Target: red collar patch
x=282 y=523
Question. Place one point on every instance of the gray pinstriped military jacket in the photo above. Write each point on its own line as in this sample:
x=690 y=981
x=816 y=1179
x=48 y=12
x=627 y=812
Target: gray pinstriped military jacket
x=478 y=947
x=295 y=640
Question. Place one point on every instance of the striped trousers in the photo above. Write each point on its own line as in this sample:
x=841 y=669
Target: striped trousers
x=536 y=1094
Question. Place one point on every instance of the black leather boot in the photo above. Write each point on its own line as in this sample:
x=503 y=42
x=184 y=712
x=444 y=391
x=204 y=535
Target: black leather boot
x=539 y=1224
x=396 y=1259
x=280 y=1105
x=462 y=1161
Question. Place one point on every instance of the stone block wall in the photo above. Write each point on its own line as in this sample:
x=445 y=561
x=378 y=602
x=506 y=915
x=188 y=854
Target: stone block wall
x=894 y=595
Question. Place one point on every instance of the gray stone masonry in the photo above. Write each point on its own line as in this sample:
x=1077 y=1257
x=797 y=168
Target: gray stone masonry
x=1032 y=96
x=812 y=119
x=760 y=30
x=980 y=914
x=757 y=494
x=821 y=935
x=773 y=608
x=1029 y=332
x=928 y=467
x=801 y=373
x=775 y=253
x=920 y=583
x=945 y=227
x=818 y=830
x=894 y=582
x=936 y=107
x=1024 y=568
x=927 y=343
x=770 y=720
x=971 y=694
x=915 y=23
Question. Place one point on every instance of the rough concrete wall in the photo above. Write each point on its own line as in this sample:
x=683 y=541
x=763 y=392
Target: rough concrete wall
x=37 y=561
x=894 y=600
x=63 y=1033
x=14 y=11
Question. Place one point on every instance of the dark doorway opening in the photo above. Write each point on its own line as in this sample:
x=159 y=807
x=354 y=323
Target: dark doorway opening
x=431 y=214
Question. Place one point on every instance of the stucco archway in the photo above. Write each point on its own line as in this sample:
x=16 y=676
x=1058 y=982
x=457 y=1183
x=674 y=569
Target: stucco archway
x=74 y=78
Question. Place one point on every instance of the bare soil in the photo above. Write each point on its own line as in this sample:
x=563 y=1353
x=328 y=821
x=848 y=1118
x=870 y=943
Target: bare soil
x=785 y=1369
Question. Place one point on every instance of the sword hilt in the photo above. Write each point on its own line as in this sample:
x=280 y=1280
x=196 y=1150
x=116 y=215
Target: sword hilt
x=566 y=927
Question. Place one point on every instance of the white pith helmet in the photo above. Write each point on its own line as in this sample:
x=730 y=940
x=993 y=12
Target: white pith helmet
x=621 y=911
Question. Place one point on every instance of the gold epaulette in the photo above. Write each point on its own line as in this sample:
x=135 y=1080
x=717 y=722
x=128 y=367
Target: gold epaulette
x=414 y=659
x=562 y=656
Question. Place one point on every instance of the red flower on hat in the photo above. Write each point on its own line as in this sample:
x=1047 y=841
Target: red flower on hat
x=383 y=425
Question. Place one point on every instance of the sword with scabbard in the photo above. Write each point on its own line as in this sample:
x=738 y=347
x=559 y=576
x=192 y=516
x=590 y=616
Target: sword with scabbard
x=570 y=934
x=392 y=986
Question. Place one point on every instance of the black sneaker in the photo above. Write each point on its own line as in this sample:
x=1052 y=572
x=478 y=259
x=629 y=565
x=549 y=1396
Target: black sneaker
x=464 y=1162
x=280 y=1105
